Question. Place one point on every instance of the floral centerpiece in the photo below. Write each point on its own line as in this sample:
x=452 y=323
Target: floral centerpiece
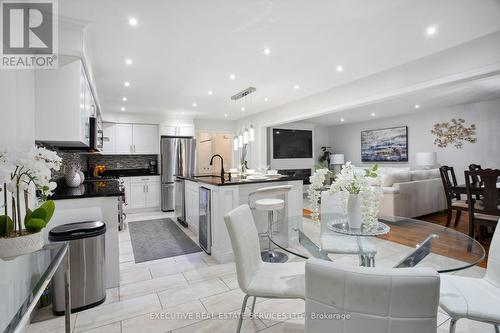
x=25 y=177
x=360 y=193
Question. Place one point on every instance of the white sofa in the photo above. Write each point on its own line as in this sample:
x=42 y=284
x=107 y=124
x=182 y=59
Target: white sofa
x=411 y=193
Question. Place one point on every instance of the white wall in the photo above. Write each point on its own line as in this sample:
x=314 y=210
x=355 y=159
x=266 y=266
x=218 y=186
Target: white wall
x=465 y=62
x=346 y=139
x=17 y=119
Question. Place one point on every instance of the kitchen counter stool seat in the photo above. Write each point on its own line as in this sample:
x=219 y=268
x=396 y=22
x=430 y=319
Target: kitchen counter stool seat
x=271 y=206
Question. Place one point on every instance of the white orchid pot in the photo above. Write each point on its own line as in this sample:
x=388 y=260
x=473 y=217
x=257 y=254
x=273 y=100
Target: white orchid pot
x=354 y=211
x=17 y=246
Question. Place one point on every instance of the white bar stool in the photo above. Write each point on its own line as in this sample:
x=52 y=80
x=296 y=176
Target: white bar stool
x=271 y=206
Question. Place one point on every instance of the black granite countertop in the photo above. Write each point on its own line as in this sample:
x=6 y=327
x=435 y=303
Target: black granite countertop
x=117 y=173
x=217 y=180
x=89 y=189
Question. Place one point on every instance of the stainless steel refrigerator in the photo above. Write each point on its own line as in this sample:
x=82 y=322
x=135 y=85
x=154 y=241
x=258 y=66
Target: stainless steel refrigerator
x=178 y=158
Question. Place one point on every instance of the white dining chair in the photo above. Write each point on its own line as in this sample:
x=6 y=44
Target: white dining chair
x=475 y=298
x=332 y=242
x=255 y=277
x=351 y=299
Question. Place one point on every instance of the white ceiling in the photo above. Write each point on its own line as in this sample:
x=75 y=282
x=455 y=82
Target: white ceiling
x=181 y=49
x=427 y=99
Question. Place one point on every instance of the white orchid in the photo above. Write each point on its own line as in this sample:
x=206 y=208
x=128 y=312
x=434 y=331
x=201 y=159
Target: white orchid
x=317 y=180
x=366 y=185
x=31 y=170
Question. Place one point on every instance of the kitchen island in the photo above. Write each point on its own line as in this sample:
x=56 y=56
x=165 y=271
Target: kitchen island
x=225 y=195
x=92 y=201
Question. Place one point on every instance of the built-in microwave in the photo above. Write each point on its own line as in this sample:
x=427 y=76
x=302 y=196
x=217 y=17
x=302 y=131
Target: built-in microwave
x=96 y=133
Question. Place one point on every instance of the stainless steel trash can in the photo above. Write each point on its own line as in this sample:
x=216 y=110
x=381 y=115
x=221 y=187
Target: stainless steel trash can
x=86 y=252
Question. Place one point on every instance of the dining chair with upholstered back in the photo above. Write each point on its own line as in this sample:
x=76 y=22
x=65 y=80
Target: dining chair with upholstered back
x=474 y=298
x=484 y=212
x=453 y=199
x=377 y=300
x=255 y=277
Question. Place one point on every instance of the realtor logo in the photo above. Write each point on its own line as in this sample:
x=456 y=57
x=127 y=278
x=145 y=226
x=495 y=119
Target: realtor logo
x=29 y=34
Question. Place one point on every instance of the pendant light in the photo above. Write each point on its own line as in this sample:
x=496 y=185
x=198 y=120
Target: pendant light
x=240 y=140
x=251 y=134
x=235 y=143
x=245 y=136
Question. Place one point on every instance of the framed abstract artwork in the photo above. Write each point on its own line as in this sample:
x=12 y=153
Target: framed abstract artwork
x=385 y=145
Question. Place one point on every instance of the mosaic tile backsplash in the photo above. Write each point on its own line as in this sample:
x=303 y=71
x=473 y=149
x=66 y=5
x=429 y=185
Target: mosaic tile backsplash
x=79 y=160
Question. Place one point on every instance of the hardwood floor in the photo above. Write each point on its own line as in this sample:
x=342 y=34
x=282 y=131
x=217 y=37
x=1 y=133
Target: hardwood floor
x=440 y=218
x=463 y=226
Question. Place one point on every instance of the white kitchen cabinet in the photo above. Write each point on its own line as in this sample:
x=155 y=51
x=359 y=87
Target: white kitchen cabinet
x=109 y=138
x=152 y=194
x=137 y=196
x=142 y=192
x=168 y=130
x=63 y=106
x=177 y=130
x=145 y=139
x=130 y=139
x=192 y=199
x=124 y=140
x=185 y=130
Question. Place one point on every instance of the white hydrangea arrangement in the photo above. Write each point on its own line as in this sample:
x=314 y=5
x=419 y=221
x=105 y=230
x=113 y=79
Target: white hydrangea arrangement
x=366 y=185
x=26 y=174
x=317 y=180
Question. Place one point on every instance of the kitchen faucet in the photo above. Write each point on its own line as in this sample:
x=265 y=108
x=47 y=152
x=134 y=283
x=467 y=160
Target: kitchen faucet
x=221 y=164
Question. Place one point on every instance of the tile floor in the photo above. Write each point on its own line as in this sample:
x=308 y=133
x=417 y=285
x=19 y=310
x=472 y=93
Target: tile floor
x=177 y=294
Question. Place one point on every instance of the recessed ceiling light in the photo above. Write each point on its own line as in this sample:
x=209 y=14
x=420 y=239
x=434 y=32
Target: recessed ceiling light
x=124 y=99
x=373 y=114
x=183 y=112
x=417 y=106
x=242 y=108
x=232 y=76
x=296 y=87
x=210 y=92
x=342 y=120
x=128 y=61
x=195 y=105
x=340 y=69
x=431 y=30
x=266 y=99
x=123 y=109
x=132 y=21
x=126 y=84
x=225 y=115
x=267 y=51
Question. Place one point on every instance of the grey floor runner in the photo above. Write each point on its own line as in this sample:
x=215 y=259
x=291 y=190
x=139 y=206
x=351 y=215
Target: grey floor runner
x=157 y=239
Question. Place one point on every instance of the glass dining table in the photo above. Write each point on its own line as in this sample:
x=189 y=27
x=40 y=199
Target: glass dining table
x=398 y=242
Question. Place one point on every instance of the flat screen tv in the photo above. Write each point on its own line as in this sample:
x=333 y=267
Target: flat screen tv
x=289 y=143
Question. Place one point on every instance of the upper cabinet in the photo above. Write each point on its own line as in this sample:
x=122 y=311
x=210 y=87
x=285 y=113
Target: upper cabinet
x=177 y=130
x=64 y=105
x=145 y=139
x=139 y=139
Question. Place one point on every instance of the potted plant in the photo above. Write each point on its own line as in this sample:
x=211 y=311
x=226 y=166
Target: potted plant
x=360 y=193
x=25 y=178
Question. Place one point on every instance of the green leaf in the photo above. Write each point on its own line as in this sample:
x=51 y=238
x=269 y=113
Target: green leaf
x=39 y=213
x=6 y=225
x=50 y=207
x=27 y=217
x=35 y=225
